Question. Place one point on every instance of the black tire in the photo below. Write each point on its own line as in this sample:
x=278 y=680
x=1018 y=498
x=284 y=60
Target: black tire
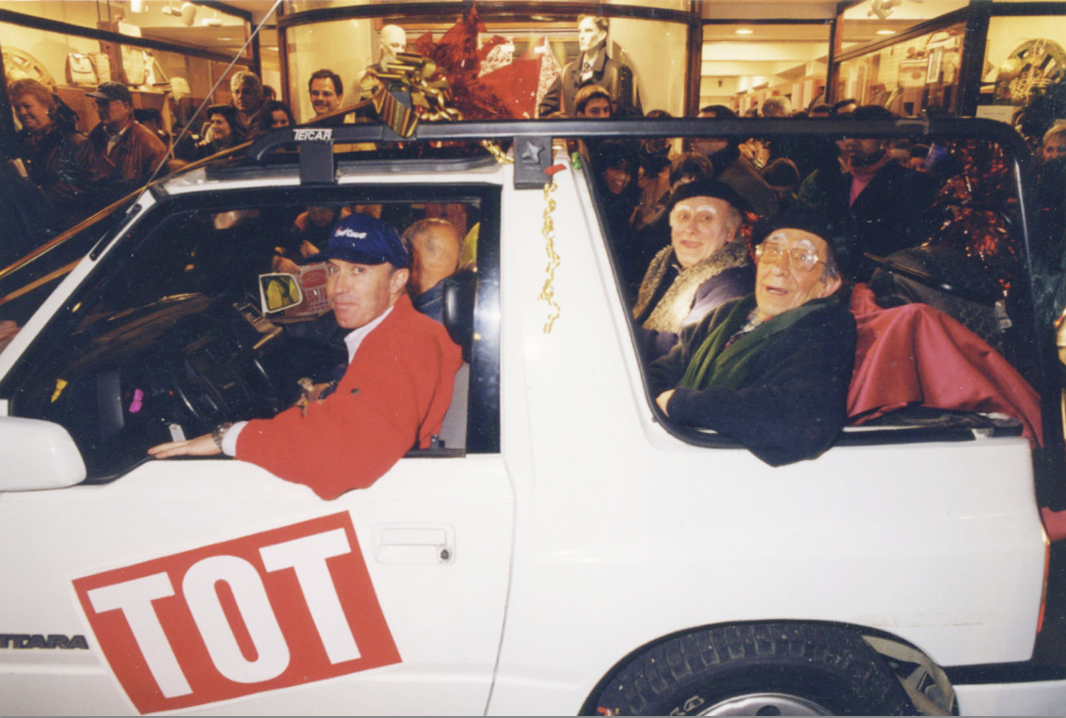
x=756 y=669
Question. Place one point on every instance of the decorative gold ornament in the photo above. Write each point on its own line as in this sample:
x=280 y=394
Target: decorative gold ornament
x=547 y=293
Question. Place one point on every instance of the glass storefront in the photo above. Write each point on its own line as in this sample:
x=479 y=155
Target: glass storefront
x=743 y=64
x=498 y=65
x=173 y=73
x=1022 y=55
x=912 y=77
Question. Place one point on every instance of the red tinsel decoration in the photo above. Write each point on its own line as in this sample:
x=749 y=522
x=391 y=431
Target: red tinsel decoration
x=979 y=208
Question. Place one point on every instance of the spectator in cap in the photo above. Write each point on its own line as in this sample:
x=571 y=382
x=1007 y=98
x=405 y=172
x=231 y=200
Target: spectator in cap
x=769 y=370
x=705 y=264
x=121 y=154
x=394 y=392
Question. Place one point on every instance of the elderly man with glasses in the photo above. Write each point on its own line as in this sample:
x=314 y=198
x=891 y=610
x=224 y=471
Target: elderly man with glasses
x=769 y=370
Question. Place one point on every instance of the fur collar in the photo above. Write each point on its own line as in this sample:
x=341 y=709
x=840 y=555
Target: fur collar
x=677 y=302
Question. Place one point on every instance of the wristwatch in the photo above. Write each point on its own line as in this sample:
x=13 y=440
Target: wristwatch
x=219 y=431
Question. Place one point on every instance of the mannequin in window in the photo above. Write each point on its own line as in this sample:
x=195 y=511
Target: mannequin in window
x=592 y=67
x=392 y=41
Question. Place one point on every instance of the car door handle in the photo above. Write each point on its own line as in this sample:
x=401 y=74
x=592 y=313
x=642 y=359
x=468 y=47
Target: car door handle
x=414 y=544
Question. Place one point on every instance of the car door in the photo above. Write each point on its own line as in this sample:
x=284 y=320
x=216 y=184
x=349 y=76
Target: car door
x=177 y=584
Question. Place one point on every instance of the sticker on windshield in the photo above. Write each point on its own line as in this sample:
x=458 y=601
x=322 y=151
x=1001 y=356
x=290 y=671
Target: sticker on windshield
x=279 y=608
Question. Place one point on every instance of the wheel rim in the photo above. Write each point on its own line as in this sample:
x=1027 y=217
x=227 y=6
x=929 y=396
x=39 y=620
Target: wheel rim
x=766 y=704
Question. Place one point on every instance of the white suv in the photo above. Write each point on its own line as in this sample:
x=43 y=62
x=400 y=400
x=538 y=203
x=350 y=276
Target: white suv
x=573 y=552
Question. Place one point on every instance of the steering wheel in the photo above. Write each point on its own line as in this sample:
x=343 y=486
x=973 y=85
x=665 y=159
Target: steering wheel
x=210 y=368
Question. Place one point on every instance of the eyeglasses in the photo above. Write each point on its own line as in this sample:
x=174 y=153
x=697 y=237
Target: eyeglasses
x=799 y=258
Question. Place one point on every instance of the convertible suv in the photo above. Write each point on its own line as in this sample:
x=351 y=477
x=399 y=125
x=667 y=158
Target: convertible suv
x=563 y=547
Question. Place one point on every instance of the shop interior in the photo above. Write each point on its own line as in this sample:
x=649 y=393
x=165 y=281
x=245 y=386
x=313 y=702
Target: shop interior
x=950 y=57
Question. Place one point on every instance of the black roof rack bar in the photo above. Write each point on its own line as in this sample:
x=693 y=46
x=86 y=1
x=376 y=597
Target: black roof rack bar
x=947 y=128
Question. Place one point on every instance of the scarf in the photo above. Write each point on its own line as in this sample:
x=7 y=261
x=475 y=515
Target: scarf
x=715 y=364
x=862 y=174
x=676 y=303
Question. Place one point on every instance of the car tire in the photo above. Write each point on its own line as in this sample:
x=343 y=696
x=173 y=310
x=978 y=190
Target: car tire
x=756 y=669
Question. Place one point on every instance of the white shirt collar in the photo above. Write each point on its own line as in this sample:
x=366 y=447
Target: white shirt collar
x=356 y=336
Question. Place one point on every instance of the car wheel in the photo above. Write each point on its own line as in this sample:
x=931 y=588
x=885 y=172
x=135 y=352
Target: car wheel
x=756 y=669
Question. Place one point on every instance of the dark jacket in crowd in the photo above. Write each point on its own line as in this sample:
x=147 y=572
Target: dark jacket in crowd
x=791 y=402
x=609 y=73
x=738 y=173
x=431 y=302
x=29 y=219
x=55 y=163
x=890 y=214
x=128 y=166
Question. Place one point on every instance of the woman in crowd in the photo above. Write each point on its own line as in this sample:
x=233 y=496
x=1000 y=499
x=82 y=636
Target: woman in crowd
x=275 y=114
x=50 y=148
x=223 y=132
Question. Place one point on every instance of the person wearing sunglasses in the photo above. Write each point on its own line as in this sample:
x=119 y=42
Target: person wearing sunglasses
x=769 y=370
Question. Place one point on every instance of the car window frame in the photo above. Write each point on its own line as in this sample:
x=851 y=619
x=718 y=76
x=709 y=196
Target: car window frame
x=483 y=417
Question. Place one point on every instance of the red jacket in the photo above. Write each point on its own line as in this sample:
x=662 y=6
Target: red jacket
x=393 y=396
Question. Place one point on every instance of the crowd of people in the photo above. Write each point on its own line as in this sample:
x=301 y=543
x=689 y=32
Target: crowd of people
x=64 y=175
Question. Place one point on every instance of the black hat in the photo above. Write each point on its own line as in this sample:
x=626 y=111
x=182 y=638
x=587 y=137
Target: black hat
x=812 y=222
x=708 y=187
x=111 y=91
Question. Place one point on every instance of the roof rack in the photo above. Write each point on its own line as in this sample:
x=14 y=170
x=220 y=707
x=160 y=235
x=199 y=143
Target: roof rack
x=532 y=138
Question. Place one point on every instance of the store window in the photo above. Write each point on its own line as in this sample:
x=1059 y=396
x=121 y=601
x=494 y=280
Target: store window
x=171 y=82
x=745 y=63
x=912 y=77
x=498 y=65
x=869 y=22
x=1023 y=55
x=173 y=70
x=178 y=22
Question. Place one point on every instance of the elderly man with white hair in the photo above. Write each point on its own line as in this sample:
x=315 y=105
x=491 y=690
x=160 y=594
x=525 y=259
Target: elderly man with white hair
x=769 y=370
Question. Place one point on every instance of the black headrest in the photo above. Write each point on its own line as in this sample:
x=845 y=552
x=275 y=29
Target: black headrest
x=460 y=293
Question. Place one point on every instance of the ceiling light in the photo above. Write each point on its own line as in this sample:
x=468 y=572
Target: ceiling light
x=743 y=31
x=886 y=32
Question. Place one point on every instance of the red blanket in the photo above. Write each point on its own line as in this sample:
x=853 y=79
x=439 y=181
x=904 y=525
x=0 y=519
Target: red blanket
x=915 y=354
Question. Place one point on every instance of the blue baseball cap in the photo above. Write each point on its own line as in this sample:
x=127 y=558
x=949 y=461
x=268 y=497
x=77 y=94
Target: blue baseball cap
x=362 y=239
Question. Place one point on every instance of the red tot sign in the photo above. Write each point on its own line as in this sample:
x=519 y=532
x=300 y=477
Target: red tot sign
x=279 y=608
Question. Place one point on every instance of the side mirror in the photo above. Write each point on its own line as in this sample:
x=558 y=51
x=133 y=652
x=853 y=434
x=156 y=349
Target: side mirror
x=37 y=454
x=278 y=292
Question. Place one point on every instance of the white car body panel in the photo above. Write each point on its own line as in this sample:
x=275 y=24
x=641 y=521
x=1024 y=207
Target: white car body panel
x=591 y=534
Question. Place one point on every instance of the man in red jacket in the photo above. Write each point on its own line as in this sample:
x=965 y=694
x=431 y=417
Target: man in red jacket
x=392 y=397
